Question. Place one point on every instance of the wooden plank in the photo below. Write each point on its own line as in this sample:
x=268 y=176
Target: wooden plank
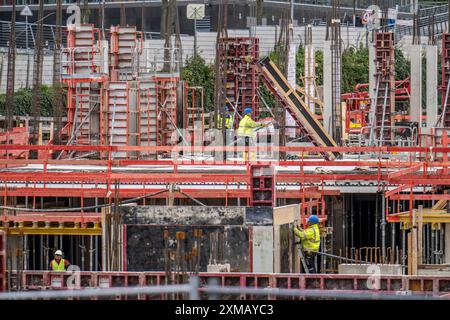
x=414 y=244
x=419 y=235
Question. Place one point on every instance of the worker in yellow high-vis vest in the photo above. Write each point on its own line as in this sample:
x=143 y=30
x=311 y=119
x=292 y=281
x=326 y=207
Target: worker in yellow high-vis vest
x=247 y=132
x=310 y=241
x=59 y=264
x=229 y=119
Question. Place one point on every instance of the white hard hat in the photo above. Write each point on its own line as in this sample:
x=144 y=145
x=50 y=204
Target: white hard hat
x=58 y=253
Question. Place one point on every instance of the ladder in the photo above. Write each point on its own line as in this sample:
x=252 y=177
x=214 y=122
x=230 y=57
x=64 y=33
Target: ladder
x=148 y=120
x=118 y=115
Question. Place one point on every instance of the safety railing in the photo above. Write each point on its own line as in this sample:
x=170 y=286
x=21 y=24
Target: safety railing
x=82 y=62
x=157 y=61
x=243 y=286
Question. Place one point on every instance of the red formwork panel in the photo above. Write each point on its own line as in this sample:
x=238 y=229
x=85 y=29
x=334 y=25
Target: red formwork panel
x=242 y=76
x=385 y=100
x=262 y=187
x=2 y=261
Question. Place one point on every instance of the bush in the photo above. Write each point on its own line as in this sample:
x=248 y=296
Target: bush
x=197 y=73
x=23 y=102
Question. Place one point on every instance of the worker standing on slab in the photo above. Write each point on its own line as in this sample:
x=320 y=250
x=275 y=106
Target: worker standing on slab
x=229 y=119
x=310 y=241
x=59 y=264
x=246 y=131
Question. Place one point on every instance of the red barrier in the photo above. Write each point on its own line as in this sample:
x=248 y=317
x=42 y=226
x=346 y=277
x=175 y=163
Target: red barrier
x=389 y=284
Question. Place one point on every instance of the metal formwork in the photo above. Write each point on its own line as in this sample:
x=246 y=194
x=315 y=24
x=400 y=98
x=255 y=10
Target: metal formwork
x=122 y=116
x=385 y=96
x=167 y=110
x=242 y=81
x=445 y=84
x=124 y=46
x=148 y=115
x=82 y=70
x=262 y=186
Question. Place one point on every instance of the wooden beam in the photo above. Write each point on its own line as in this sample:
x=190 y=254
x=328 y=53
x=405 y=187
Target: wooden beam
x=419 y=235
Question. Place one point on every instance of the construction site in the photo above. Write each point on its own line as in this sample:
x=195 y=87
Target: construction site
x=138 y=178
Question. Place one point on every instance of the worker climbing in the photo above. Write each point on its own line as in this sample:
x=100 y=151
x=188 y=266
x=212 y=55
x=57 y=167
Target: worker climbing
x=59 y=264
x=246 y=132
x=310 y=241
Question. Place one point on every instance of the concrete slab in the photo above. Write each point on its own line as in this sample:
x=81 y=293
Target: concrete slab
x=382 y=269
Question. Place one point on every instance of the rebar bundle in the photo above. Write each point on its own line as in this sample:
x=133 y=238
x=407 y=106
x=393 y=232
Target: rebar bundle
x=37 y=75
x=9 y=101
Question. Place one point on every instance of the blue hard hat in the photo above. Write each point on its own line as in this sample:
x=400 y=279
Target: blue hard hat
x=248 y=110
x=313 y=219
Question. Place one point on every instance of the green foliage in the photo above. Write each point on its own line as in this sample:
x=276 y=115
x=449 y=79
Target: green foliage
x=355 y=68
x=23 y=102
x=300 y=63
x=402 y=65
x=197 y=73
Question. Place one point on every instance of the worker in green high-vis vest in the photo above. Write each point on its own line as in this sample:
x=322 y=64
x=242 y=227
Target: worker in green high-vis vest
x=59 y=264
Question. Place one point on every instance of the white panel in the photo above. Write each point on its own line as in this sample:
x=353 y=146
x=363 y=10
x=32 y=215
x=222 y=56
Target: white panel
x=327 y=87
x=415 y=102
x=431 y=86
x=263 y=249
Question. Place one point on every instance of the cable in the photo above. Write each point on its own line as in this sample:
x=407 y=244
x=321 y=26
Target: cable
x=84 y=208
x=193 y=199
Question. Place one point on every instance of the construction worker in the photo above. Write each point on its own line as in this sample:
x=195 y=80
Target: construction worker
x=246 y=131
x=310 y=241
x=229 y=119
x=59 y=264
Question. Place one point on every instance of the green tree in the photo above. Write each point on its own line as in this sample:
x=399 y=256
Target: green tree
x=23 y=101
x=355 y=68
x=197 y=73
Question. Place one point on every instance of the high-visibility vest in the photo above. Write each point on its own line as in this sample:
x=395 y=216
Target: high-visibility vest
x=59 y=267
x=310 y=238
x=228 y=122
x=246 y=126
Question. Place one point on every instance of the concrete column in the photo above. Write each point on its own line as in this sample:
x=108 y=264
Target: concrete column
x=310 y=72
x=431 y=85
x=447 y=243
x=327 y=87
x=415 y=101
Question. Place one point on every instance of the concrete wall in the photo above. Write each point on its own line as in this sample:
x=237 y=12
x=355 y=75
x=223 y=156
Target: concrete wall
x=22 y=60
x=239 y=236
x=286 y=258
x=206 y=41
x=376 y=269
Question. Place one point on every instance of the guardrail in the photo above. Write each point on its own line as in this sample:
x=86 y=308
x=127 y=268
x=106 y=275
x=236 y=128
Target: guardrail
x=243 y=286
